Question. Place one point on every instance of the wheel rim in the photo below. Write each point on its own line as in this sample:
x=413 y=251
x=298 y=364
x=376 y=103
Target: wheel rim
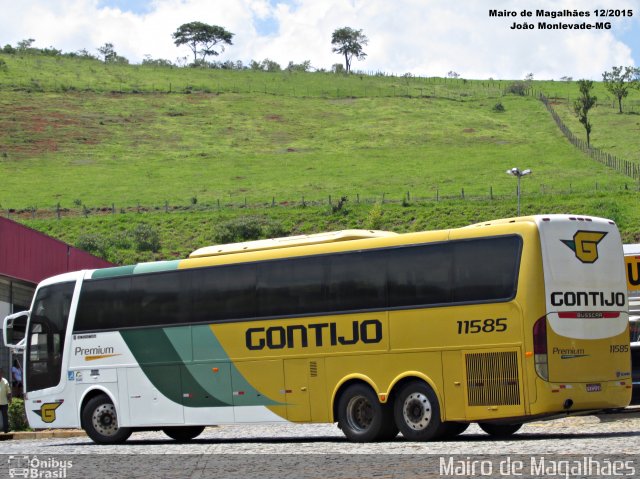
x=416 y=411
x=104 y=420
x=359 y=413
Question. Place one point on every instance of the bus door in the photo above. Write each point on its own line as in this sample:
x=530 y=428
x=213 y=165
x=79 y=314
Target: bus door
x=297 y=389
x=48 y=404
x=147 y=405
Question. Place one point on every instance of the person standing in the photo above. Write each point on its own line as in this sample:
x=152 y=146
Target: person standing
x=16 y=376
x=5 y=399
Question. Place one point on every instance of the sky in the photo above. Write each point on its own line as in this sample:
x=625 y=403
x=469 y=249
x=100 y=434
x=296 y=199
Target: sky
x=420 y=37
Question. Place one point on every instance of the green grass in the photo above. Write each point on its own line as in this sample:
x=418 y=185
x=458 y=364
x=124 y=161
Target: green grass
x=181 y=232
x=42 y=73
x=74 y=132
x=615 y=133
x=149 y=149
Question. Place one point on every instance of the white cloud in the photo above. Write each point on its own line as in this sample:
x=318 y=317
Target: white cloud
x=424 y=37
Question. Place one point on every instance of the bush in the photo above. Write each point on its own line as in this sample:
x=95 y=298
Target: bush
x=146 y=238
x=498 y=108
x=299 y=67
x=247 y=228
x=338 y=68
x=92 y=243
x=517 y=88
x=122 y=239
x=374 y=218
x=17 y=416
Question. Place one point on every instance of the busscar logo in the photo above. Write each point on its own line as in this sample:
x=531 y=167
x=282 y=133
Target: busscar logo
x=48 y=411
x=585 y=245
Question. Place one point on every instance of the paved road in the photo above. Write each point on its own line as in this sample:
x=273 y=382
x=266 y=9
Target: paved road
x=306 y=450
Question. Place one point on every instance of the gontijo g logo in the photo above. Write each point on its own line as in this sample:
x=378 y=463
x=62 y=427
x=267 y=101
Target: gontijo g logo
x=47 y=411
x=585 y=245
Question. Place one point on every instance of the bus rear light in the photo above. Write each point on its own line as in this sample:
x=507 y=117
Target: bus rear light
x=540 y=356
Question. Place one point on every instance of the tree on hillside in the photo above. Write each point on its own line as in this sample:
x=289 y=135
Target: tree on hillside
x=108 y=52
x=25 y=45
x=349 y=42
x=202 y=39
x=583 y=104
x=619 y=80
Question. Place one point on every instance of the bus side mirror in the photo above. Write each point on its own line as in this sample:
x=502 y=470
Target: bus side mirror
x=14 y=328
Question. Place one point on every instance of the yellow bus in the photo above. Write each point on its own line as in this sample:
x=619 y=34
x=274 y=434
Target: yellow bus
x=632 y=265
x=498 y=323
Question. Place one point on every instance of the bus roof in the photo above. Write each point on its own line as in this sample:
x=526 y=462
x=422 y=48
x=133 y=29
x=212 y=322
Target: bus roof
x=540 y=218
x=288 y=242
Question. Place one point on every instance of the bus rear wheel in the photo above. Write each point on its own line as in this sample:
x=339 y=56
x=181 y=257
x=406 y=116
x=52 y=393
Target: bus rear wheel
x=183 y=433
x=362 y=417
x=499 y=430
x=100 y=421
x=417 y=412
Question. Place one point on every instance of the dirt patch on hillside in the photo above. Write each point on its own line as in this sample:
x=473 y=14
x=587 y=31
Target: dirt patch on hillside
x=44 y=128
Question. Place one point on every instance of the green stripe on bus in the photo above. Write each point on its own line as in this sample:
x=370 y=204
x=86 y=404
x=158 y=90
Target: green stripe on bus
x=111 y=272
x=205 y=376
x=153 y=352
x=156 y=266
x=199 y=344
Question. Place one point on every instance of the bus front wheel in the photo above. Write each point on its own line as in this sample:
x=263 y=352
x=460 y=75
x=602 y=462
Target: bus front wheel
x=362 y=417
x=183 y=433
x=100 y=421
x=499 y=430
x=417 y=412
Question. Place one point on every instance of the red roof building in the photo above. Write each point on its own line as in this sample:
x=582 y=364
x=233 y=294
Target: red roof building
x=26 y=258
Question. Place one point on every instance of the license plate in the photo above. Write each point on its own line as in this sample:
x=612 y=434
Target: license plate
x=592 y=388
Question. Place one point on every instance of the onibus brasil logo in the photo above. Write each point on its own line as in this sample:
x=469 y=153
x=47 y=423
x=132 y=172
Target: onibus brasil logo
x=37 y=467
x=585 y=245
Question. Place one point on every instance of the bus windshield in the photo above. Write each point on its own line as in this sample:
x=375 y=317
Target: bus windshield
x=47 y=329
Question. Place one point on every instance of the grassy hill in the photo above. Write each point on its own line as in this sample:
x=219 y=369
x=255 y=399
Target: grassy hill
x=195 y=148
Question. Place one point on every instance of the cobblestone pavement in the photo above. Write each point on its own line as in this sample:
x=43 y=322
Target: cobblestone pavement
x=609 y=434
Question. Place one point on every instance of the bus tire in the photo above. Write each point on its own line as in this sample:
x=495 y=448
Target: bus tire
x=183 y=433
x=417 y=412
x=100 y=421
x=362 y=417
x=499 y=430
